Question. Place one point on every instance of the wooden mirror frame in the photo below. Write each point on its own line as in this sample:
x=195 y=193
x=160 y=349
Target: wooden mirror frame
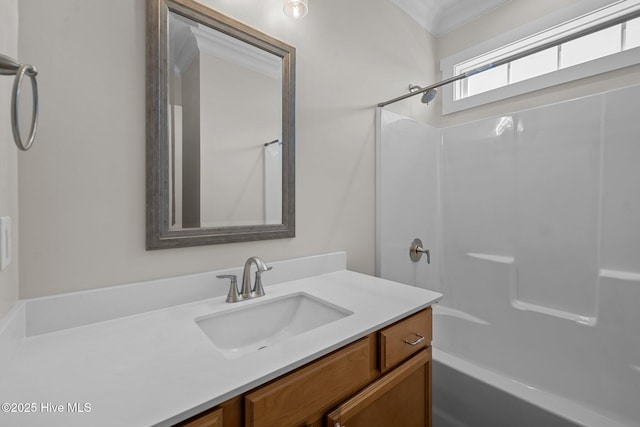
x=159 y=233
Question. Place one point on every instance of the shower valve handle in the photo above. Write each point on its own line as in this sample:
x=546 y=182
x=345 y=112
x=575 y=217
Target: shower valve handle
x=416 y=250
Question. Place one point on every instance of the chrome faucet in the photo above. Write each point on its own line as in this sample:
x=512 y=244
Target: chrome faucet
x=247 y=292
x=257 y=291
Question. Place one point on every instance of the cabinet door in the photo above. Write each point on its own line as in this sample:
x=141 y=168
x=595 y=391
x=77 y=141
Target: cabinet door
x=305 y=395
x=208 y=419
x=400 y=398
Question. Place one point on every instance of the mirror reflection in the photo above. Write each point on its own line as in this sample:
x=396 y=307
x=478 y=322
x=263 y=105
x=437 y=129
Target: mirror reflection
x=225 y=110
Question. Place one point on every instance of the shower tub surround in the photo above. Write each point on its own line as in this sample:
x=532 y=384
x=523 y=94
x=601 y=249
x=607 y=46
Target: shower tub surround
x=133 y=355
x=533 y=221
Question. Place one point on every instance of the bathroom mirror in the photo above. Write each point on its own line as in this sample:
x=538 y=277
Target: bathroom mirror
x=220 y=129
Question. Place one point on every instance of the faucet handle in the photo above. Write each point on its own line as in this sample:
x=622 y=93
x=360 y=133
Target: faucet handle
x=258 y=290
x=233 y=295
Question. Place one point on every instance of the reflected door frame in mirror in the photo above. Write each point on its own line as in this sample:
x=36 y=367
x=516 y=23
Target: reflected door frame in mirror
x=160 y=235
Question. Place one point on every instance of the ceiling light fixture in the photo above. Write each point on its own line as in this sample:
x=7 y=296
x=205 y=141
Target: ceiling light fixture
x=296 y=9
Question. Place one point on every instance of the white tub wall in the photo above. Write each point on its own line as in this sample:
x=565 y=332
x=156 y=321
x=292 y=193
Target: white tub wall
x=527 y=190
x=575 y=213
x=621 y=198
x=619 y=297
x=476 y=157
x=8 y=154
x=557 y=205
x=406 y=199
x=541 y=231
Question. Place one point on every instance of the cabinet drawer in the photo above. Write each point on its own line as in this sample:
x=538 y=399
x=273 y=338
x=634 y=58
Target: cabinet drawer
x=402 y=339
x=312 y=390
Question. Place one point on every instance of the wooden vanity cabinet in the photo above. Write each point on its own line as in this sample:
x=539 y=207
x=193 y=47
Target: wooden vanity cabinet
x=383 y=379
x=400 y=398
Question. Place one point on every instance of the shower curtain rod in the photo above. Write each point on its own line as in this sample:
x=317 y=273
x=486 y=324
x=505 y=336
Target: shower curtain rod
x=525 y=53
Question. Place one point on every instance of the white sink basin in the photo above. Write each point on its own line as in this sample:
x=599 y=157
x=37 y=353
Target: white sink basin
x=258 y=325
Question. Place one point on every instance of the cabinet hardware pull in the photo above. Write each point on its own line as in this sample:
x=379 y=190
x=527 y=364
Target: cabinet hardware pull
x=416 y=342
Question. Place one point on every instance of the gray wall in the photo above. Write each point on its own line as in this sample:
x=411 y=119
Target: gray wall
x=8 y=153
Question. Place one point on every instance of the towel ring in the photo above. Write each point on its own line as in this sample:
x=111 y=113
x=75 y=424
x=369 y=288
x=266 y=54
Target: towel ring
x=8 y=67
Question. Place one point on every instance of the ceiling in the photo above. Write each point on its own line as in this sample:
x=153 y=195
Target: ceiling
x=441 y=16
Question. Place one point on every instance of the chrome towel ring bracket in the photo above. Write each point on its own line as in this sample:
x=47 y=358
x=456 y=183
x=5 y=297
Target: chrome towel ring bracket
x=10 y=67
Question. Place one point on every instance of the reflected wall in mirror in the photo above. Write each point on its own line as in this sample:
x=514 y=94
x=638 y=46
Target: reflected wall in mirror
x=220 y=130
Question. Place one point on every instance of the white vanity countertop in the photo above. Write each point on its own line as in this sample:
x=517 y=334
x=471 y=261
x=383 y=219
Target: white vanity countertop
x=158 y=367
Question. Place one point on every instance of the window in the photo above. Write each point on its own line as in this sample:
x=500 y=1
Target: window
x=555 y=65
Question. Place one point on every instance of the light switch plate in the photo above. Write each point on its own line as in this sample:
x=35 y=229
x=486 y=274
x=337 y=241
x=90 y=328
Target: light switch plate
x=5 y=242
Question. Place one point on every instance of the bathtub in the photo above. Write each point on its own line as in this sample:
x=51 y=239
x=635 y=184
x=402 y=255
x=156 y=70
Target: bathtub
x=467 y=393
x=534 y=238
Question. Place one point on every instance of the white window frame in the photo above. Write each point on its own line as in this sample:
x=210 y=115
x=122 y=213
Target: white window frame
x=601 y=65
